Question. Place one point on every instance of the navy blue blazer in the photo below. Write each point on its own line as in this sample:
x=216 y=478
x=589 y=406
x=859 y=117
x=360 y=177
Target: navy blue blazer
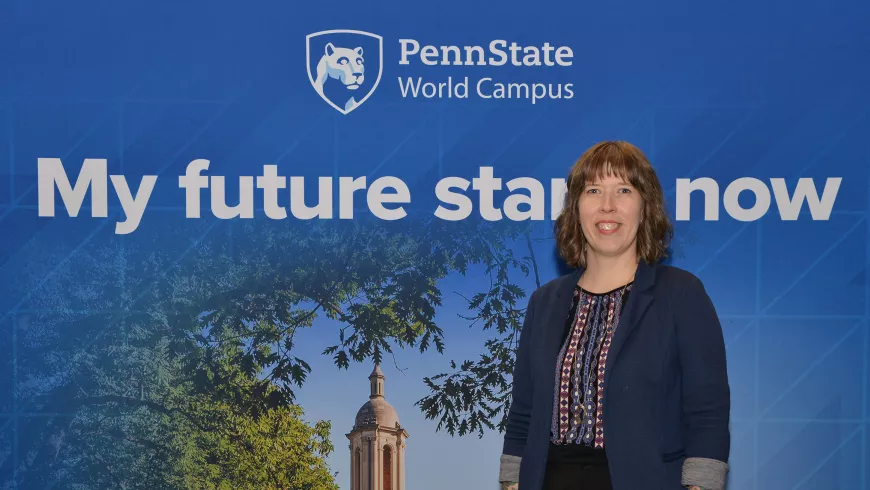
x=666 y=395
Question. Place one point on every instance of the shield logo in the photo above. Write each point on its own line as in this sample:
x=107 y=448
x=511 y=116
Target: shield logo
x=344 y=66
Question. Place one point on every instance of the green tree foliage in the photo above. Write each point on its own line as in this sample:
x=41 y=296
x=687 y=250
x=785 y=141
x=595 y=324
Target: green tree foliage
x=476 y=395
x=166 y=362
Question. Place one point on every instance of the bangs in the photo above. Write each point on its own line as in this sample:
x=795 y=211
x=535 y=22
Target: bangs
x=609 y=160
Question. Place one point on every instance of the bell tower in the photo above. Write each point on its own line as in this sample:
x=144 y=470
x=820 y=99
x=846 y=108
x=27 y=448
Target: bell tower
x=377 y=442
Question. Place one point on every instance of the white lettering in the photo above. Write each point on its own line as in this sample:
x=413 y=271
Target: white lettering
x=415 y=48
x=708 y=186
x=322 y=210
x=429 y=90
x=463 y=204
x=51 y=174
x=270 y=182
x=732 y=195
x=346 y=187
x=93 y=173
x=133 y=208
x=192 y=182
x=245 y=207
x=535 y=200
x=501 y=53
x=486 y=184
x=819 y=209
x=376 y=198
x=787 y=206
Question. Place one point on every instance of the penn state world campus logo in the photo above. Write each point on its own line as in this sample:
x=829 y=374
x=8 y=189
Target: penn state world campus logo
x=344 y=66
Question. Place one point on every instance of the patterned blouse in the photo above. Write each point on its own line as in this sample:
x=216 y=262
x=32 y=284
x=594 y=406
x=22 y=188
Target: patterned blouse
x=577 y=423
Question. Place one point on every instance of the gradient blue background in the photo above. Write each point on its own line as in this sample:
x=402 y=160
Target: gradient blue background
x=718 y=89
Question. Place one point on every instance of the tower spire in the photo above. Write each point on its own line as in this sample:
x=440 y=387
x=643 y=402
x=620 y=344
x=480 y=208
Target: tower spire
x=377 y=382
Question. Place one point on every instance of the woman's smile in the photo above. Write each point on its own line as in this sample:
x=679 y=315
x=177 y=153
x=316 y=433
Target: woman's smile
x=607 y=227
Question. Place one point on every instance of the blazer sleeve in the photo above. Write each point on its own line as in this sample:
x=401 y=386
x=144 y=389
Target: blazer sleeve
x=517 y=425
x=706 y=395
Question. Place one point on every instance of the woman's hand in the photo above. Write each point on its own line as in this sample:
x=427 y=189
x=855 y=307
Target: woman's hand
x=694 y=487
x=512 y=485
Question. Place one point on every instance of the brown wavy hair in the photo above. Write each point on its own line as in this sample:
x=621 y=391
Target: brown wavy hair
x=624 y=160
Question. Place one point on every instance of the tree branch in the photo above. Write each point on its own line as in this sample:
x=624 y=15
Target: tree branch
x=534 y=260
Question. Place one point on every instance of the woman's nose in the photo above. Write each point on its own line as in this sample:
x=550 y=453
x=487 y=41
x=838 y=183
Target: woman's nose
x=607 y=202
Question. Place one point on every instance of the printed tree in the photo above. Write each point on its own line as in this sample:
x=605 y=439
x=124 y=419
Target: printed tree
x=166 y=363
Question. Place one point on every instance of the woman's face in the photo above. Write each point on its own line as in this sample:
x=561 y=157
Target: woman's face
x=610 y=212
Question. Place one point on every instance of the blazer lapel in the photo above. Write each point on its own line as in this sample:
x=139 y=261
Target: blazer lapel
x=638 y=302
x=553 y=323
x=557 y=314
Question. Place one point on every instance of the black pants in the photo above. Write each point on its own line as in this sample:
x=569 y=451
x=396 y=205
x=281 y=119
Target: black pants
x=576 y=476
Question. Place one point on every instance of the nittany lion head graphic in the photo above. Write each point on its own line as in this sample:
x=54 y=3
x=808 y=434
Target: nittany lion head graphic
x=339 y=77
x=342 y=64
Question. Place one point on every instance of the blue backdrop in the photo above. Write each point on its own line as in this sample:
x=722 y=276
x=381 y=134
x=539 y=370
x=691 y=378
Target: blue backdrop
x=765 y=91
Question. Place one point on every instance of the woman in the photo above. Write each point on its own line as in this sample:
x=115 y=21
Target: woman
x=620 y=379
